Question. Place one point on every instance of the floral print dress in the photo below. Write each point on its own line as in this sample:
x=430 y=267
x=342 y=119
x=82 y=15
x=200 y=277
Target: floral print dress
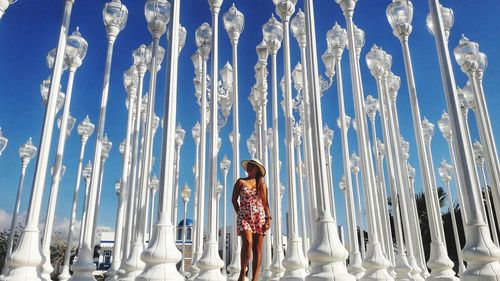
x=251 y=216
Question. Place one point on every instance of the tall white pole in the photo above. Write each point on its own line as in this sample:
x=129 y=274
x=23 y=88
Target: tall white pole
x=210 y=262
x=196 y=136
x=26 y=256
x=85 y=129
x=161 y=255
x=46 y=268
x=26 y=152
x=84 y=266
x=183 y=269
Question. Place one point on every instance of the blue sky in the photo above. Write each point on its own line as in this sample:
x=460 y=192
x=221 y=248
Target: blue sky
x=30 y=29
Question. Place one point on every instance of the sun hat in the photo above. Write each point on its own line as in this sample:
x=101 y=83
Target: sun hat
x=257 y=163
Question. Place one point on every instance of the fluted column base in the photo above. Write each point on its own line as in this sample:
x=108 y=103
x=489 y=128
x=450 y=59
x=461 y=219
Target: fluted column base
x=402 y=268
x=194 y=271
x=440 y=264
x=416 y=271
x=210 y=263
x=65 y=274
x=112 y=272
x=327 y=254
x=277 y=268
x=134 y=265
x=161 y=256
x=481 y=254
x=376 y=264
x=355 y=268
x=26 y=258
x=46 y=267
x=265 y=269
x=295 y=262
x=84 y=266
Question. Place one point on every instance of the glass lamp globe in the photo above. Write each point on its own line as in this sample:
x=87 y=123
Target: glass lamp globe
x=139 y=55
x=186 y=192
x=375 y=59
x=355 y=162
x=63 y=170
x=226 y=74
x=70 y=125
x=445 y=170
x=154 y=183
x=482 y=62
x=272 y=31
x=478 y=151
x=336 y=37
x=224 y=164
x=359 y=39
x=44 y=91
x=234 y=22
x=156 y=123
x=51 y=58
x=466 y=51
x=399 y=13
x=342 y=183
x=160 y=54
x=115 y=14
x=76 y=47
x=197 y=61
x=298 y=25
x=106 y=145
x=87 y=171
x=405 y=146
x=27 y=150
x=182 y=37
x=393 y=82
x=347 y=122
x=387 y=63
x=179 y=134
x=428 y=129
x=380 y=148
x=327 y=135
x=118 y=186
x=329 y=60
x=444 y=125
x=3 y=141
x=251 y=144
x=131 y=78
x=195 y=131
x=412 y=173
x=448 y=20
x=85 y=128
x=203 y=36
x=297 y=77
x=262 y=51
x=371 y=105
x=157 y=11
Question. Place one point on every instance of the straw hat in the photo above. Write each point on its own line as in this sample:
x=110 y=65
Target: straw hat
x=257 y=163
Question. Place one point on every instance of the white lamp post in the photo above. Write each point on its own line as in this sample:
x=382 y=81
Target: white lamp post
x=273 y=35
x=154 y=184
x=354 y=166
x=400 y=15
x=234 y=23
x=484 y=258
x=186 y=193
x=479 y=159
x=204 y=44
x=161 y=255
x=26 y=152
x=86 y=174
x=85 y=130
x=328 y=140
x=210 y=262
x=115 y=17
x=224 y=166
x=179 y=140
x=131 y=82
x=474 y=63
x=195 y=132
x=444 y=170
x=26 y=257
x=157 y=14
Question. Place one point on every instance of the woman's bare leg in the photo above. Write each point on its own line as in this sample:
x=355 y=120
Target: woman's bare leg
x=246 y=246
x=257 y=255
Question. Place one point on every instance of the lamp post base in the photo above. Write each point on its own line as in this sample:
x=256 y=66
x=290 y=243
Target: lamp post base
x=46 y=268
x=481 y=254
x=65 y=275
x=354 y=266
x=234 y=267
x=327 y=254
x=210 y=264
x=440 y=264
x=26 y=258
x=134 y=265
x=84 y=266
x=295 y=263
x=161 y=255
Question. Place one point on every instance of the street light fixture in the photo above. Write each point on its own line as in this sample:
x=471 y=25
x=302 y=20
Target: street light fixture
x=186 y=193
x=224 y=166
x=3 y=141
x=448 y=20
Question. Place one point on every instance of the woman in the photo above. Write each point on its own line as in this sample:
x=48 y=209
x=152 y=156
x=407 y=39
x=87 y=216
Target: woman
x=253 y=214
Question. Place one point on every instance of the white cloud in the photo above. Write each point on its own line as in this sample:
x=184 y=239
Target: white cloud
x=5 y=220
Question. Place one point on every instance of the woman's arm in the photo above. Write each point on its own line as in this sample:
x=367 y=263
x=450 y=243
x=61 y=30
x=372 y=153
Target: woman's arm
x=266 y=202
x=236 y=194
